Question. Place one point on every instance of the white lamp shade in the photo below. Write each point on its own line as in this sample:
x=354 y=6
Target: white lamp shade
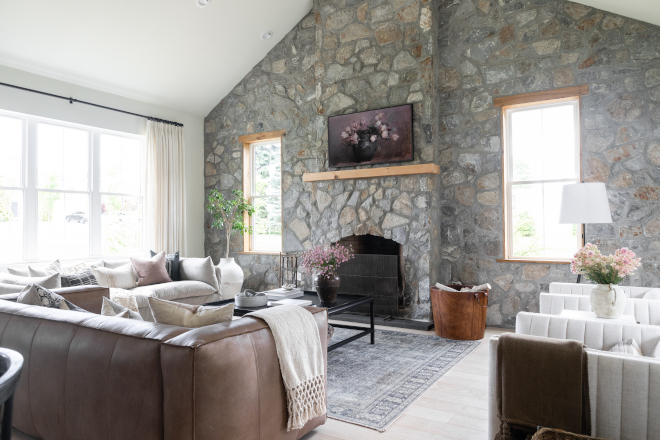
x=585 y=203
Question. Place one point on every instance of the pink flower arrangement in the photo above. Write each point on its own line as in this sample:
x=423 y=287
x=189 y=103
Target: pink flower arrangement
x=325 y=259
x=601 y=269
x=370 y=132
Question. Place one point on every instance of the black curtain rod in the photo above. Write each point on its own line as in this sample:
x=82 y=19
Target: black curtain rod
x=72 y=100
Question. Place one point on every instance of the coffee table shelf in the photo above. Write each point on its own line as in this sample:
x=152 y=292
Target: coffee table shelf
x=344 y=303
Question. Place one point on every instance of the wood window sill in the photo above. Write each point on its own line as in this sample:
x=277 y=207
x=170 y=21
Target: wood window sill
x=518 y=260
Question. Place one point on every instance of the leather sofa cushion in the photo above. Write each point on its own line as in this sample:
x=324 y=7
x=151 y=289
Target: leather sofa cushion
x=171 y=291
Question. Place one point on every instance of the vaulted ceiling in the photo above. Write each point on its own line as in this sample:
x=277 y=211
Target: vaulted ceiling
x=168 y=52
x=644 y=10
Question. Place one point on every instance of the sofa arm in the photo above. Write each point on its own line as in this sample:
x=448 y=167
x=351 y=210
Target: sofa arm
x=223 y=378
x=87 y=297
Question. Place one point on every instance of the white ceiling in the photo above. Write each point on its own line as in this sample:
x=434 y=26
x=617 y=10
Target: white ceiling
x=167 y=52
x=644 y=10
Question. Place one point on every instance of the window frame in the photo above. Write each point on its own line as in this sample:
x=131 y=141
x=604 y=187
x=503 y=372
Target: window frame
x=29 y=186
x=248 y=142
x=507 y=166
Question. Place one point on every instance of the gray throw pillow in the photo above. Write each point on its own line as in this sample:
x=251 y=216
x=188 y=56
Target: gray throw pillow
x=39 y=296
x=171 y=265
x=49 y=282
x=199 y=269
x=85 y=278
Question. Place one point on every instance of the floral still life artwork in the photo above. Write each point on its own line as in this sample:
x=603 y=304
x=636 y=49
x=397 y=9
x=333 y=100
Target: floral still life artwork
x=376 y=136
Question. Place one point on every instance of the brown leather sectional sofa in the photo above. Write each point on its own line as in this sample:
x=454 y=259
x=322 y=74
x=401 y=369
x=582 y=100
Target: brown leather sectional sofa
x=93 y=377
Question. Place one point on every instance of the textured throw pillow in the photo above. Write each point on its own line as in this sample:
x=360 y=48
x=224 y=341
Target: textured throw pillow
x=76 y=268
x=85 y=278
x=199 y=269
x=121 y=277
x=172 y=265
x=652 y=294
x=48 y=282
x=186 y=315
x=111 y=308
x=151 y=271
x=38 y=296
x=628 y=347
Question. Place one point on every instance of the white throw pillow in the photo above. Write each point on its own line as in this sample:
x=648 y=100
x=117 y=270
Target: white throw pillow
x=186 y=315
x=54 y=267
x=199 y=269
x=656 y=351
x=652 y=294
x=628 y=347
x=48 y=282
x=114 y=264
x=18 y=271
x=111 y=308
x=121 y=277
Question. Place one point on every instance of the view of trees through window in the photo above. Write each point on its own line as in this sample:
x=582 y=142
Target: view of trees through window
x=543 y=157
x=267 y=196
x=50 y=210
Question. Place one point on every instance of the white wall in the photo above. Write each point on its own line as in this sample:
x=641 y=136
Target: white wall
x=49 y=107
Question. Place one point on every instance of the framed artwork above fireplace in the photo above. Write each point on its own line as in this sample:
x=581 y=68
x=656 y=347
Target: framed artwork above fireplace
x=375 y=136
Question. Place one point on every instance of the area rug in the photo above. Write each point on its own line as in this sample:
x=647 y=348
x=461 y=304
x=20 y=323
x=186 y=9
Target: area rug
x=372 y=385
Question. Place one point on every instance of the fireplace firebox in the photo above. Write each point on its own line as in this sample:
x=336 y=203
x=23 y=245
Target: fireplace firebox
x=375 y=271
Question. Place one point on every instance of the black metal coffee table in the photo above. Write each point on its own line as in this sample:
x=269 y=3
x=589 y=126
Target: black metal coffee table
x=344 y=303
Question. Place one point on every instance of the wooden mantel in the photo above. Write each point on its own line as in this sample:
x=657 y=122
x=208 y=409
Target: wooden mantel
x=403 y=170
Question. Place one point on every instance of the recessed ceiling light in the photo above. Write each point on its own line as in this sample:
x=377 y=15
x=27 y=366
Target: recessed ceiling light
x=202 y=3
x=266 y=35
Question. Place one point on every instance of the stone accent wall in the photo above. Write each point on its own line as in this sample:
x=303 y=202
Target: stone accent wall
x=450 y=58
x=344 y=57
x=496 y=48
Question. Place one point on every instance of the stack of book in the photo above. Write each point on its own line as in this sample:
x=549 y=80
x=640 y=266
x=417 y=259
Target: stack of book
x=280 y=294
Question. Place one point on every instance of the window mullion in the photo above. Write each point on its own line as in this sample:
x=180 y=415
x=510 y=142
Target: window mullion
x=30 y=232
x=95 y=202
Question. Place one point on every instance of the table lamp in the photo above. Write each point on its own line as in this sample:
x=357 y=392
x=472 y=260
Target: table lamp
x=583 y=203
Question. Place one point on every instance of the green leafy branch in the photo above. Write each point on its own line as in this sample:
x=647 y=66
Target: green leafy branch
x=228 y=213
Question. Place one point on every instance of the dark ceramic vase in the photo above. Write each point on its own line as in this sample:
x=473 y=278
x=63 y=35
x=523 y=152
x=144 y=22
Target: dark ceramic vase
x=326 y=288
x=364 y=150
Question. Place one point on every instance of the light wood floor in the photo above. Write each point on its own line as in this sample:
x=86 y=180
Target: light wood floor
x=455 y=408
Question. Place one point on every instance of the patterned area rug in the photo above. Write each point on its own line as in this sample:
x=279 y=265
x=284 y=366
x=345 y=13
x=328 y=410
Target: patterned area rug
x=372 y=385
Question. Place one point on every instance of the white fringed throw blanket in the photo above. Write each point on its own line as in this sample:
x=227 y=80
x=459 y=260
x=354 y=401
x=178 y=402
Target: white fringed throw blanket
x=300 y=354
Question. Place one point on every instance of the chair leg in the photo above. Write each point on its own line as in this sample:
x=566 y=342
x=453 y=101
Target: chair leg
x=5 y=433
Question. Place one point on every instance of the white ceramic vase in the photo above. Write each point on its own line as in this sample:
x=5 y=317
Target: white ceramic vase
x=231 y=278
x=608 y=301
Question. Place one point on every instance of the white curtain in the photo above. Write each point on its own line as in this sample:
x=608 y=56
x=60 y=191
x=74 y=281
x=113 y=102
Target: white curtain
x=166 y=188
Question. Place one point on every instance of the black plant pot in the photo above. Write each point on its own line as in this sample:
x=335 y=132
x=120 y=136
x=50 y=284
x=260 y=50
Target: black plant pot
x=365 y=150
x=326 y=288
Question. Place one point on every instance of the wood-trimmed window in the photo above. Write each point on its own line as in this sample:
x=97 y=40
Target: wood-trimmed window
x=541 y=154
x=262 y=187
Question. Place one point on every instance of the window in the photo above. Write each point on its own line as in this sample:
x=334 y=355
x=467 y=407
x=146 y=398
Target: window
x=68 y=191
x=262 y=187
x=541 y=155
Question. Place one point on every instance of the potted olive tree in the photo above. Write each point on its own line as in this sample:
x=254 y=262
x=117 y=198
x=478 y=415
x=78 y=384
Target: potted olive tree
x=228 y=214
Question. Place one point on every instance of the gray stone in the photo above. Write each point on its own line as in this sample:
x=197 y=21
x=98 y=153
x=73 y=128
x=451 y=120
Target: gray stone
x=300 y=228
x=404 y=61
x=393 y=220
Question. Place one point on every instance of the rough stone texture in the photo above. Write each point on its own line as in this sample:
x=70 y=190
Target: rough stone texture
x=342 y=58
x=451 y=58
x=527 y=46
